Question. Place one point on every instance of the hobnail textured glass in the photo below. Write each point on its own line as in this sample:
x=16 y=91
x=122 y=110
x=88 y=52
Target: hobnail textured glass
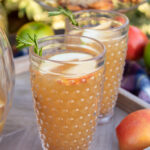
x=67 y=90
x=111 y=28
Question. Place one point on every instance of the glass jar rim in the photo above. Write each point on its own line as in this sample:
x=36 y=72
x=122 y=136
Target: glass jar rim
x=104 y=11
x=99 y=56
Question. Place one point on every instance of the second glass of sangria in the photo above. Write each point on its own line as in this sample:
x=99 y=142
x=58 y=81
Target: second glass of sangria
x=111 y=28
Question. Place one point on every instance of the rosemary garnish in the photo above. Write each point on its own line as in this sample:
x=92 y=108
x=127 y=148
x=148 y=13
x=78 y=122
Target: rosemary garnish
x=66 y=12
x=29 y=41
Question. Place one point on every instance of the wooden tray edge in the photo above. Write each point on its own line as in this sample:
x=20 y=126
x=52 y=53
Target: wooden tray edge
x=129 y=102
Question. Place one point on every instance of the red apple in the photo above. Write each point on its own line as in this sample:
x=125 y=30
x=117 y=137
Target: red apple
x=136 y=43
x=134 y=131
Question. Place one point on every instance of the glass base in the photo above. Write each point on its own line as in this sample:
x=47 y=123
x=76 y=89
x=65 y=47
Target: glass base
x=103 y=119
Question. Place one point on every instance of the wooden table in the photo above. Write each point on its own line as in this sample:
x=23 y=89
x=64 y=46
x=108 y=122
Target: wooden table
x=20 y=132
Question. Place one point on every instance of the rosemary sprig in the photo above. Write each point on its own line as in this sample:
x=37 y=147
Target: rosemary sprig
x=65 y=12
x=26 y=41
x=23 y=42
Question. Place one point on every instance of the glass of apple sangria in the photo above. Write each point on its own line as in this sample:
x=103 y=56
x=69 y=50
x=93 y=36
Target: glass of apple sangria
x=111 y=28
x=67 y=84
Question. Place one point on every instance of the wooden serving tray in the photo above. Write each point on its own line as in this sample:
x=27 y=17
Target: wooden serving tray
x=20 y=132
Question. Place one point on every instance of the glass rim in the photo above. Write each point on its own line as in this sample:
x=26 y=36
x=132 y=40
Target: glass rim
x=103 y=11
x=99 y=56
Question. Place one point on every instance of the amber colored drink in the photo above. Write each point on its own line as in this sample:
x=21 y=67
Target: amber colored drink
x=111 y=29
x=67 y=98
x=61 y=107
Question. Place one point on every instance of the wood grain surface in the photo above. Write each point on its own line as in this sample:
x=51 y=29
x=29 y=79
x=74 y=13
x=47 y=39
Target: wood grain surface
x=20 y=132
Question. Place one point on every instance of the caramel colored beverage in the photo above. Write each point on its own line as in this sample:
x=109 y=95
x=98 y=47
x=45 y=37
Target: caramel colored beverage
x=67 y=90
x=111 y=28
x=61 y=105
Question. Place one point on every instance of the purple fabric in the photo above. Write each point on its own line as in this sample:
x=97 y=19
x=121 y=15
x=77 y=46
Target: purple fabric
x=136 y=79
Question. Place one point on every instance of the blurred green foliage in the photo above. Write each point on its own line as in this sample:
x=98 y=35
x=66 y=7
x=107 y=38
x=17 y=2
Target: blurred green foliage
x=140 y=17
x=30 y=8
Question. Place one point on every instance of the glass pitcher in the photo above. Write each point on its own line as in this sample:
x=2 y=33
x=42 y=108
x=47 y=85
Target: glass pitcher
x=6 y=78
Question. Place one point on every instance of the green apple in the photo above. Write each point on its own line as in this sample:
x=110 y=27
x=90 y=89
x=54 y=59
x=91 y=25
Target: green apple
x=38 y=28
x=147 y=55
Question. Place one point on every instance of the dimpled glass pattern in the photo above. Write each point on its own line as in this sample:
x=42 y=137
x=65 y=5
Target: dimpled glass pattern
x=67 y=86
x=66 y=109
x=111 y=28
x=115 y=60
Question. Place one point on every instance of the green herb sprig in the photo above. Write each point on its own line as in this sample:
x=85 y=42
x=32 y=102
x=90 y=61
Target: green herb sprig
x=66 y=12
x=29 y=41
